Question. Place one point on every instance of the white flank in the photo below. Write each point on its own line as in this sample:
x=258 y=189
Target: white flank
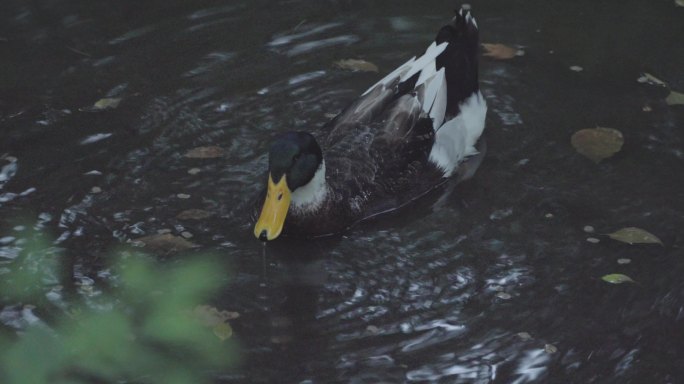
x=310 y=196
x=457 y=137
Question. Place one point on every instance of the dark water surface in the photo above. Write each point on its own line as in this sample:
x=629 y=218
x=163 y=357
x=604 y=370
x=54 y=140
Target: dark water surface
x=438 y=292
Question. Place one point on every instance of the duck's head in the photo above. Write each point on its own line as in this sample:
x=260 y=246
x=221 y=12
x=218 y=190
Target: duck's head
x=293 y=159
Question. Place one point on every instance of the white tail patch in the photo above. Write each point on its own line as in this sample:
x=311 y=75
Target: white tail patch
x=428 y=59
x=393 y=75
x=456 y=139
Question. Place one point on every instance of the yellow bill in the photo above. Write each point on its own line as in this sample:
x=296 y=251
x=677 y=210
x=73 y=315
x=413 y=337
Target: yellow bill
x=275 y=208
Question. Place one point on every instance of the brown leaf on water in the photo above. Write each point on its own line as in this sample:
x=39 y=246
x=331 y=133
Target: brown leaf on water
x=675 y=98
x=210 y=316
x=165 y=242
x=209 y=152
x=107 y=103
x=356 y=65
x=194 y=214
x=633 y=235
x=501 y=51
x=597 y=143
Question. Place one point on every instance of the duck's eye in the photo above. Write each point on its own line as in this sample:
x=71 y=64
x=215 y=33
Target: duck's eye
x=280 y=196
x=296 y=157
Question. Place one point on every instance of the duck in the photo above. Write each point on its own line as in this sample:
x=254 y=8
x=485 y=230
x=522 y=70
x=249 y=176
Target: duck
x=413 y=130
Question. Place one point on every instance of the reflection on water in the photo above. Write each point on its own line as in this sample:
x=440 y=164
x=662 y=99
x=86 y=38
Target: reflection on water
x=441 y=291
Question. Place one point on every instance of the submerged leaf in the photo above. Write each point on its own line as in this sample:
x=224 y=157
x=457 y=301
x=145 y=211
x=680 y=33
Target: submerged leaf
x=194 y=214
x=632 y=235
x=356 y=65
x=675 y=98
x=165 y=242
x=107 y=103
x=501 y=51
x=210 y=152
x=597 y=143
x=617 y=278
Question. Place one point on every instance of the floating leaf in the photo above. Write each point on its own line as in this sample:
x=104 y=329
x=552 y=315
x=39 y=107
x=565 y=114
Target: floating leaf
x=356 y=65
x=194 y=214
x=648 y=78
x=223 y=331
x=210 y=152
x=550 y=348
x=210 y=316
x=679 y=3
x=165 y=242
x=524 y=336
x=107 y=103
x=624 y=261
x=501 y=51
x=632 y=235
x=503 y=295
x=617 y=278
x=576 y=68
x=675 y=98
x=593 y=240
x=597 y=143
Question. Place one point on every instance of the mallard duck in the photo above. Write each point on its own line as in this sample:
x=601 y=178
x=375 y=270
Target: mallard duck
x=405 y=135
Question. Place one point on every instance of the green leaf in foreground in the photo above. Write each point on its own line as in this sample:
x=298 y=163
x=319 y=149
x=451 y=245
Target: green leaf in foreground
x=107 y=103
x=633 y=235
x=597 y=143
x=675 y=98
x=617 y=278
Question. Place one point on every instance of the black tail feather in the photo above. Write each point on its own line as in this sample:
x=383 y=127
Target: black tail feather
x=460 y=58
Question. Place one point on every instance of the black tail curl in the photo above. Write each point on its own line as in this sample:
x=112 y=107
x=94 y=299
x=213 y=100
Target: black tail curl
x=460 y=59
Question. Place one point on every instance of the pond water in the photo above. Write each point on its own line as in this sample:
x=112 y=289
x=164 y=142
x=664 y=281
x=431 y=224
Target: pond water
x=489 y=281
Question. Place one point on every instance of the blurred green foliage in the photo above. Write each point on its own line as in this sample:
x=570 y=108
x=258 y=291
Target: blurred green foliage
x=149 y=332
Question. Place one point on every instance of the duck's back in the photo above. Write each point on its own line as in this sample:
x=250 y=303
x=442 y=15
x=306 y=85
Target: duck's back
x=407 y=133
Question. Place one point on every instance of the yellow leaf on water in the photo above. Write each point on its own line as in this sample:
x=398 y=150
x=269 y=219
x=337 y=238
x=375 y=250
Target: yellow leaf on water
x=356 y=65
x=501 y=51
x=633 y=235
x=223 y=331
x=617 y=278
x=107 y=103
x=675 y=98
x=209 y=152
x=597 y=143
x=648 y=78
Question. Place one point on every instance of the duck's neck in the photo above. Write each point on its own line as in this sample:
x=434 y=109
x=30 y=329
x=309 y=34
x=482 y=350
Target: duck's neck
x=309 y=197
